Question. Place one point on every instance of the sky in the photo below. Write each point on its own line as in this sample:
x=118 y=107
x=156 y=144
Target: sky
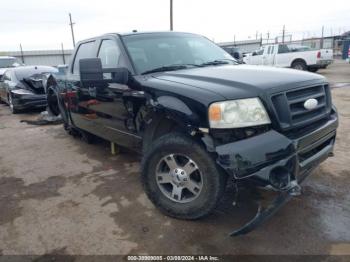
x=44 y=24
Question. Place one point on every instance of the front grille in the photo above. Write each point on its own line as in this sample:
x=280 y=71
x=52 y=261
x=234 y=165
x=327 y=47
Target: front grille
x=290 y=110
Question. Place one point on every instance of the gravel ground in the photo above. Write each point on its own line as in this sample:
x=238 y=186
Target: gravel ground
x=60 y=195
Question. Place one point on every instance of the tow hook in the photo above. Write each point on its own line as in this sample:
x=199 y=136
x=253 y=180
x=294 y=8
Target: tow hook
x=264 y=213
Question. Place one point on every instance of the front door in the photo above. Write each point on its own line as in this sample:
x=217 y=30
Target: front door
x=115 y=103
x=107 y=110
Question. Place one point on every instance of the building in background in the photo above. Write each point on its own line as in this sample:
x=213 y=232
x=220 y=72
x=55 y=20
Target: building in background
x=245 y=46
x=339 y=43
x=41 y=57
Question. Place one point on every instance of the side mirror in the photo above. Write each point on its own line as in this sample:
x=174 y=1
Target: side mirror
x=118 y=75
x=91 y=72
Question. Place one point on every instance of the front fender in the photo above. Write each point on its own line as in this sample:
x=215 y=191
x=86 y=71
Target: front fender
x=166 y=114
x=175 y=109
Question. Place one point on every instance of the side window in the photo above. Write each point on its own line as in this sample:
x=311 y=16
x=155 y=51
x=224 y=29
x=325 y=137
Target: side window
x=260 y=52
x=85 y=50
x=109 y=54
x=283 y=49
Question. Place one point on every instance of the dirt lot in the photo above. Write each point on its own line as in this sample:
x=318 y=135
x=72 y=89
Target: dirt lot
x=60 y=195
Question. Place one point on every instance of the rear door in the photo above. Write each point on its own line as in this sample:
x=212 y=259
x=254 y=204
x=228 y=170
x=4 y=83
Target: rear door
x=269 y=55
x=283 y=57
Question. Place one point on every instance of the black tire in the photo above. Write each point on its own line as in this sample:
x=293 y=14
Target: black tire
x=52 y=102
x=213 y=180
x=13 y=108
x=313 y=69
x=299 y=65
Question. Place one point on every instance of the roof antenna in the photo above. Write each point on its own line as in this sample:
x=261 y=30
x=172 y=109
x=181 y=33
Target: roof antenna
x=134 y=31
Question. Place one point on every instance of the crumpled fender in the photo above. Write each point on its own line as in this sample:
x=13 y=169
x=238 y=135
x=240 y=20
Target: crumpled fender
x=168 y=107
x=176 y=110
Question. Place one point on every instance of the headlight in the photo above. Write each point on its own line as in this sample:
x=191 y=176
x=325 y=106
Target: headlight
x=238 y=113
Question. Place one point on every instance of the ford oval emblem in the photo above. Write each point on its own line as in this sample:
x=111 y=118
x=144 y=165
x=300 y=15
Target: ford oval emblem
x=310 y=104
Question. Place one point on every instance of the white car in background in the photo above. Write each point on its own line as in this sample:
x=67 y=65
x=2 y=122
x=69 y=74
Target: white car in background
x=7 y=62
x=293 y=56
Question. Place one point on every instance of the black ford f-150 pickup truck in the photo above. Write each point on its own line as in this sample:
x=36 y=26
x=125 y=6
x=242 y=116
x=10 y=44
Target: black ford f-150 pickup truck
x=198 y=117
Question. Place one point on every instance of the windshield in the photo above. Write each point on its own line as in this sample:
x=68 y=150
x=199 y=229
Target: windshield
x=150 y=51
x=7 y=62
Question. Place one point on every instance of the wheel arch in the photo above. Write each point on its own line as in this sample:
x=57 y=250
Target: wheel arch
x=298 y=60
x=169 y=114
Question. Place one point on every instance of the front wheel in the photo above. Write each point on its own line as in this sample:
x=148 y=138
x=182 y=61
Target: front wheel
x=181 y=178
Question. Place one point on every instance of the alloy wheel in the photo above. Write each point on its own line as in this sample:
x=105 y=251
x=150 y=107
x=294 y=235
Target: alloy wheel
x=179 y=178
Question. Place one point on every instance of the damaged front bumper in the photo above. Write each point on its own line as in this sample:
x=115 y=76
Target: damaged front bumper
x=274 y=160
x=24 y=101
x=278 y=162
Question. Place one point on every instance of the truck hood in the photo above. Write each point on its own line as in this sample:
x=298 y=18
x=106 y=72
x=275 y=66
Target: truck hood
x=241 y=81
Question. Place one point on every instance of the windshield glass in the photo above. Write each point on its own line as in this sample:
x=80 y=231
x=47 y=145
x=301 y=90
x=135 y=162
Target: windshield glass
x=7 y=62
x=150 y=51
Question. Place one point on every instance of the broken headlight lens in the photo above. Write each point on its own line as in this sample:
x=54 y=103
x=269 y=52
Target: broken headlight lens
x=238 y=113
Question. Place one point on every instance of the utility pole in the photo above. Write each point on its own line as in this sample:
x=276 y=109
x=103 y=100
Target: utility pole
x=171 y=15
x=321 y=44
x=64 y=59
x=234 y=39
x=71 y=27
x=22 y=55
x=283 y=33
x=256 y=35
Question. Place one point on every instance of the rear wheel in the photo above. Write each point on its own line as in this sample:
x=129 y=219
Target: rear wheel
x=299 y=65
x=181 y=178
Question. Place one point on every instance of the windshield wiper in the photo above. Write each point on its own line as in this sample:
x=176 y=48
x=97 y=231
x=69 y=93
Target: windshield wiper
x=218 y=62
x=169 y=68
